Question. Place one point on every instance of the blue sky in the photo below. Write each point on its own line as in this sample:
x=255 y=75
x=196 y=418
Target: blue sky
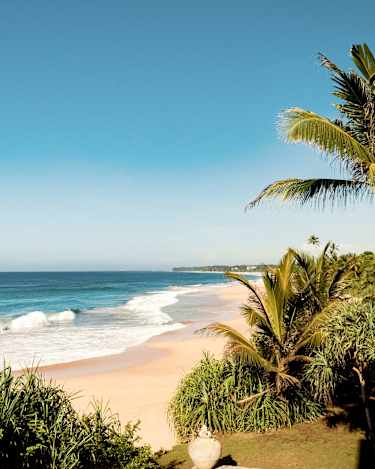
x=134 y=132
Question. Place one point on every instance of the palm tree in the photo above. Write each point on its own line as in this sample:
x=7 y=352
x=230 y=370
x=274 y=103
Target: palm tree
x=313 y=240
x=322 y=281
x=348 y=141
x=285 y=320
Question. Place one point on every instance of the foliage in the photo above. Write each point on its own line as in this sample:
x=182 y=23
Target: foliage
x=212 y=392
x=284 y=320
x=261 y=382
x=349 y=342
x=40 y=429
x=362 y=278
x=348 y=142
x=313 y=240
x=322 y=281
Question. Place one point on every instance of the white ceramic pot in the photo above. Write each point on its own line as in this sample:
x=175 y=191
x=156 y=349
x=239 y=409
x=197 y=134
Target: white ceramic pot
x=204 y=450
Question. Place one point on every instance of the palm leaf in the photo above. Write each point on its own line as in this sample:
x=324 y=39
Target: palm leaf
x=339 y=282
x=357 y=98
x=278 y=285
x=299 y=125
x=316 y=192
x=239 y=344
x=312 y=334
x=254 y=317
x=274 y=305
x=328 y=63
x=255 y=301
x=364 y=60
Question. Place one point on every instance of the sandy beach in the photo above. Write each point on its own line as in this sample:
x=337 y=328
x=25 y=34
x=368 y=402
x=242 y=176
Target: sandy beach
x=139 y=383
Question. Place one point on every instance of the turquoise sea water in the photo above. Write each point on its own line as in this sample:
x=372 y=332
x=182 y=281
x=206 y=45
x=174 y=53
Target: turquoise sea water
x=54 y=317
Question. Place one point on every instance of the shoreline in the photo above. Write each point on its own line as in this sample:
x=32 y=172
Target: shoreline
x=155 y=307
x=139 y=382
x=257 y=273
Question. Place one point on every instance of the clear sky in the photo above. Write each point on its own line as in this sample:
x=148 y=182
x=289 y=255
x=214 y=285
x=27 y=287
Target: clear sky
x=132 y=133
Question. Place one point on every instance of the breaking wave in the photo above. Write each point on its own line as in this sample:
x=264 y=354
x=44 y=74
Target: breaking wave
x=148 y=308
x=36 y=320
x=57 y=337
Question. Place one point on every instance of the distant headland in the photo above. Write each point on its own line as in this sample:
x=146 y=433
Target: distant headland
x=224 y=268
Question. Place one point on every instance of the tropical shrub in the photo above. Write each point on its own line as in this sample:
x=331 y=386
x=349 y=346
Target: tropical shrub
x=348 y=344
x=362 y=279
x=216 y=392
x=342 y=370
x=285 y=319
x=39 y=428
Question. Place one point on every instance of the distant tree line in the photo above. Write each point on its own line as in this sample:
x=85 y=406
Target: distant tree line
x=225 y=268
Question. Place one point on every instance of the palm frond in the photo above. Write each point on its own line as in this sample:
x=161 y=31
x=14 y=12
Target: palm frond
x=255 y=301
x=292 y=380
x=315 y=192
x=284 y=274
x=241 y=279
x=355 y=95
x=339 y=283
x=278 y=286
x=325 y=62
x=312 y=335
x=274 y=305
x=253 y=316
x=298 y=125
x=364 y=60
x=239 y=344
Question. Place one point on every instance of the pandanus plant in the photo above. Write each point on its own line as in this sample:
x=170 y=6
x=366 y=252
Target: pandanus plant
x=348 y=140
x=285 y=317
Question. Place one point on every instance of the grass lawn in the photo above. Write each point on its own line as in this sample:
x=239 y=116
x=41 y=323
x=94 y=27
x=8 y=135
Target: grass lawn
x=308 y=446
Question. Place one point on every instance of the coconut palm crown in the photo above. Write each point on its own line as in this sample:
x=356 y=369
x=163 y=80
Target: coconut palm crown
x=313 y=240
x=285 y=317
x=348 y=141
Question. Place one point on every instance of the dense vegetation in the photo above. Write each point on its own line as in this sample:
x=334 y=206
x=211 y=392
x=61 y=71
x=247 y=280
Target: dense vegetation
x=40 y=429
x=288 y=368
x=216 y=393
x=342 y=370
x=363 y=274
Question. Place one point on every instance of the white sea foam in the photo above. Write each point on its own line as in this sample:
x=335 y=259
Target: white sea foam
x=52 y=345
x=64 y=316
x=48 y=338
x=148 y=308
x=35 y=320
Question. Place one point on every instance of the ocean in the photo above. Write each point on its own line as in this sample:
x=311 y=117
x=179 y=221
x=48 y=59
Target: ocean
x=56 y=317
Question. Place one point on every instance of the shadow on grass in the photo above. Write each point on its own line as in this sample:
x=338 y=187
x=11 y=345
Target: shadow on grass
x=226 y=461
x=366 y=455
x=173 y=464
x=350 y=415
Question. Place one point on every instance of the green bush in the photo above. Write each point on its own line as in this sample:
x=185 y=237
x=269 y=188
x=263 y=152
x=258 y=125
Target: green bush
x=39 y=428
x=361 y=281
x=212 y=392
x=349 y=343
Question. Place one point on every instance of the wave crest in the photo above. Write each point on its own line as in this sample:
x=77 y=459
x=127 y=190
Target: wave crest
x=37 y=320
